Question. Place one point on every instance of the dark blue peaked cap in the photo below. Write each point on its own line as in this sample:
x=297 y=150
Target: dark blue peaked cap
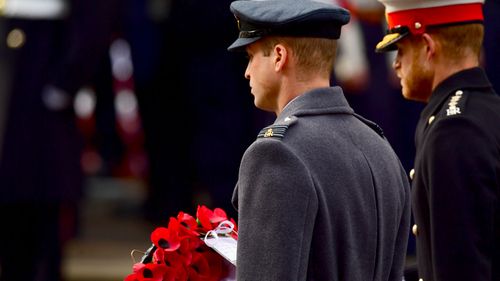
x=296 y=18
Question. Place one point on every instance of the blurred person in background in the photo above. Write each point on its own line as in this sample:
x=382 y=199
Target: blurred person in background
x=196 y=123
x=48 y=50
x=456 y=179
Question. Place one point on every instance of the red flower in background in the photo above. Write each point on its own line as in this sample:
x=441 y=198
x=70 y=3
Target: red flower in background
x=178 y=252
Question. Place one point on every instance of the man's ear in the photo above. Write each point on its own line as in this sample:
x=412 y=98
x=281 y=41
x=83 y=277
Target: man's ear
x=281 y=57
x=430 y=45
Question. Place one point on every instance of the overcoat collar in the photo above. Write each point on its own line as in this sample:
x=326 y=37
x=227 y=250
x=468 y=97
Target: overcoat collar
x=318 y=101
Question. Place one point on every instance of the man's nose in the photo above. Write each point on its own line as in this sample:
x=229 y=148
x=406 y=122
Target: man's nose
x=247 y=74
x=396 y=64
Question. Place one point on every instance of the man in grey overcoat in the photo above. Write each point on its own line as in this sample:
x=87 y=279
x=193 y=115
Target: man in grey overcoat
x=321 y=195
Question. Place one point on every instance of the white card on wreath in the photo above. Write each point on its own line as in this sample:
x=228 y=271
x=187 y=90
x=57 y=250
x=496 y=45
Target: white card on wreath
x=224 y=245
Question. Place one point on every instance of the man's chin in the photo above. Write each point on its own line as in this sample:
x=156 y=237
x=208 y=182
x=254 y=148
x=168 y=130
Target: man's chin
x=413 y=96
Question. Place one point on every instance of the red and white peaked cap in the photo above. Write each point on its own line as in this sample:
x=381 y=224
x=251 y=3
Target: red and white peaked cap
x=414 y=16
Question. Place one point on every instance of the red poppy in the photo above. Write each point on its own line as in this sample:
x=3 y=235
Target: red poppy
x=176 y=259
x=216 y=264
x=158 y=256
x=187 y=225
x=137 y=266
x=176 y=270
x=190 y=244
x=210 y=219
x=167 y=238
x=186 y=250
x=148 y=272
x=173 y=274
x=131 y=277
x=199 y=270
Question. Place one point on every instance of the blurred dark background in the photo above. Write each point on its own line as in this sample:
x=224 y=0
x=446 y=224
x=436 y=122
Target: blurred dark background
x=115 y=115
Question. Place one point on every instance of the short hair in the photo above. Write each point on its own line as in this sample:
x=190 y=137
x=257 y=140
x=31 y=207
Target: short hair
x=459 y=40
x=314 y=55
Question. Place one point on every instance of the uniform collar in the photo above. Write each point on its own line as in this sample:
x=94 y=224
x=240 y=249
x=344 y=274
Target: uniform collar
x=318 y=101
x=472 y=78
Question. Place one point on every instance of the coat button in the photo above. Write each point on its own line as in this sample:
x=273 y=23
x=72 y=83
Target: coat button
x=431 y=119
x=16 y=38
x=412 y=173
x=414 y=229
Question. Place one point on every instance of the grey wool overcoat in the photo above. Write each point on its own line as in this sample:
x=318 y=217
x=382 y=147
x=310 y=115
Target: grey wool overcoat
x=321 y=195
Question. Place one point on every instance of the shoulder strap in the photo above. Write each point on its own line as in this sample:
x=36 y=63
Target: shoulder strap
x=371 y=124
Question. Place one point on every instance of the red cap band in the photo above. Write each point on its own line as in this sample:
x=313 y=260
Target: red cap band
x=418 y=19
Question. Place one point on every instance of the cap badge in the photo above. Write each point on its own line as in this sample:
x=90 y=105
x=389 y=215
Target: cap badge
x=238 y=23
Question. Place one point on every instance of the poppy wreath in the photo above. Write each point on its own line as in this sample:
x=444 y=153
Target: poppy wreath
x=178 y=252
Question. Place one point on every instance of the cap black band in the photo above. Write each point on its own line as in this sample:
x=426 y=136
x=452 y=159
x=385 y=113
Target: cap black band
x=306 y=29
x=253 y=33
x=399 y=29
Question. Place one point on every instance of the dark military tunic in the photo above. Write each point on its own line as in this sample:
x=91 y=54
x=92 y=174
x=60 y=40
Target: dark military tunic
x=321 y=196
x=456 y=186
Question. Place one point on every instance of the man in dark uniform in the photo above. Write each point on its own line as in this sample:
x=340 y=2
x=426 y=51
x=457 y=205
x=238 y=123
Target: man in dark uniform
x=456 y=179
x=49 y=50
x=321 y=195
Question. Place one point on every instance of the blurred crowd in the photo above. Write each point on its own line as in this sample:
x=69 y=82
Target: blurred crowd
x=146 y=89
